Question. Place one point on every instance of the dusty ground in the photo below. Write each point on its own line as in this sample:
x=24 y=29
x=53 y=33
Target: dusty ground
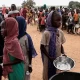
x=72 y=49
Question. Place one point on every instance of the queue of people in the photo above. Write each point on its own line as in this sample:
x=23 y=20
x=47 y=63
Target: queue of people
x=16 y=45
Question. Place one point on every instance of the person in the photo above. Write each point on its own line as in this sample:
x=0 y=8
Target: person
x=6 y=14
x=24 y=12
x=30 y=16
x=26 y=45
x=43 y=23
x=14 y=12
x=70 y=24
x=39 y=18
x=76 y=16
x=46 y=13
x=1 y=48
x=51 y=44
x=64 y=20
x=3 y=10
x=53 y=8
x=13 y=58
x=76 y=19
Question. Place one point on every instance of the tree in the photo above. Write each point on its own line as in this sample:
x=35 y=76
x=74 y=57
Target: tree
x=44 y=6
x=29 y=3
x=24 y=4
x=74 y=4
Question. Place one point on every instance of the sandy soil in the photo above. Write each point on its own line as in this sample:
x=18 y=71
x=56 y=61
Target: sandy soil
x=72 y=49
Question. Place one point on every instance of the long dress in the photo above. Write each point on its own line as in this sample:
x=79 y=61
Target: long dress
x=18 y=70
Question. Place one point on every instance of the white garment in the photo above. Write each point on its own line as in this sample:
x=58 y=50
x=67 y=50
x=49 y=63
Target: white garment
x=77 y=26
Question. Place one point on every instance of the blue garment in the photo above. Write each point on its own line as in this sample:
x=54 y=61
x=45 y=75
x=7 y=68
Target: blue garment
x=31 y=46
x=52 y=45
x=59 y=12
x=22 y=31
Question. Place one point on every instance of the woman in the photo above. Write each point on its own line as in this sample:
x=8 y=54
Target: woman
x=26 y=45
x=13 y=58
x=51 y=44
x=14 y=12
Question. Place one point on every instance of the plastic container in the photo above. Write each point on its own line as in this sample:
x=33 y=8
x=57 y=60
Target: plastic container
x=66 y=76
x=27 y=75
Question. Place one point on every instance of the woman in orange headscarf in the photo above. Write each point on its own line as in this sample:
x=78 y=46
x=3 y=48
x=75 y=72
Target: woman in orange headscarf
x=13 y=58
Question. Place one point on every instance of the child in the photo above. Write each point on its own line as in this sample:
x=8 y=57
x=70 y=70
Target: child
x=43 y=23
x=13 y=58
x=26 y=45
x=51 y=44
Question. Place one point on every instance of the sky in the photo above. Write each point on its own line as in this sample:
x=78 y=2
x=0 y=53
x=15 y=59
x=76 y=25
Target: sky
x=38 y=2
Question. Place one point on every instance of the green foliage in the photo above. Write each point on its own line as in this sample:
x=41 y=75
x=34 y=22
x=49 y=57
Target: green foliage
x=24 y=4
x=44 y=6
x=74 y=4
x=29 y=3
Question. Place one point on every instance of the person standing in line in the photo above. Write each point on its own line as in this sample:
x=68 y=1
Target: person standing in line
x=26 y=45
x=13 y=57
x=51 y=44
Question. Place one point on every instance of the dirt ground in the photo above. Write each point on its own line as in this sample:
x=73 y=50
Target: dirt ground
x=72 y=49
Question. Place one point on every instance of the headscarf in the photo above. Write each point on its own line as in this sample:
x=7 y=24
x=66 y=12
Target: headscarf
x=52 y=30
x=22 y=31
x=13 y=13
x=52 y=45
x=11 y=44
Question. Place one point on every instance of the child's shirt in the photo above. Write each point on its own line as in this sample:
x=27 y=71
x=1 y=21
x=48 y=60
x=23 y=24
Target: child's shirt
x=59 y=40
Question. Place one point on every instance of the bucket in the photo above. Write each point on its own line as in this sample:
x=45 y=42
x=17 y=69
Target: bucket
x=66 y=76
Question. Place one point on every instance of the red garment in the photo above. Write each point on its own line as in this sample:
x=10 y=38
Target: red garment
x=40 y=15
x=24 y=11
x=42 y=20
x=3 y=10
x=11 y=44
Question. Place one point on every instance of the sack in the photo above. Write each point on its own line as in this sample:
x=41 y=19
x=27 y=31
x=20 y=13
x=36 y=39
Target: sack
x=77 y=26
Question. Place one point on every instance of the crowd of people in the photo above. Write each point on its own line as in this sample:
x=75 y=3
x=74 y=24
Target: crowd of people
x=16 y=45
x=70 y=19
